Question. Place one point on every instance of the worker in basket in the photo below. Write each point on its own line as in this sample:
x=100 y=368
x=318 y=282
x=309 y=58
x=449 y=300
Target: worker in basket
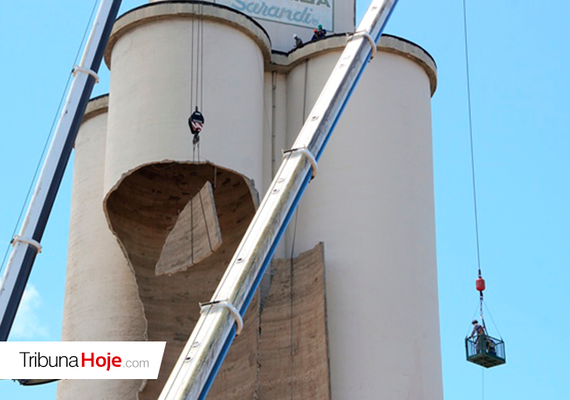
x=479 y=333
x=490 y=346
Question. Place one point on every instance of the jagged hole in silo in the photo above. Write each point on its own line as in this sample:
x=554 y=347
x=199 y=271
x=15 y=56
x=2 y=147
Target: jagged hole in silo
x=142 y=210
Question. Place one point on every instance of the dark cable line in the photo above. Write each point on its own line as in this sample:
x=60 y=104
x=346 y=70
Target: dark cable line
x=467 y=72
x=205 y=221
x=48 y=138
x=86 y=31
x=482 y=384
x=492 y=320
x=291 y=273
x=192 y=63
x=291 y=270
x=201 y=57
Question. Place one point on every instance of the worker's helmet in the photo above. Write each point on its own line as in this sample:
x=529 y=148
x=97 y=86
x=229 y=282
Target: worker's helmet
x=295 y=35
x=320 y=26
x=475 y=322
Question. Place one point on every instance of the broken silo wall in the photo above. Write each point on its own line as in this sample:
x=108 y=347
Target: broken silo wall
x=97 y=268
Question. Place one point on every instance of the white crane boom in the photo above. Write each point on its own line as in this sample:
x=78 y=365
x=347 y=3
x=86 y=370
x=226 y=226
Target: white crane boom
x=27 y=242
x=214 y=332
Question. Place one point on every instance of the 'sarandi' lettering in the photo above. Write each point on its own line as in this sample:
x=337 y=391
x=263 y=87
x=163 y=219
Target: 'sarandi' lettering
x=275 y=12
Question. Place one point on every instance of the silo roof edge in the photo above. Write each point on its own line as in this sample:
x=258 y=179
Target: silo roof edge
x=96 y=106
x=183 y=9
x=284 y=62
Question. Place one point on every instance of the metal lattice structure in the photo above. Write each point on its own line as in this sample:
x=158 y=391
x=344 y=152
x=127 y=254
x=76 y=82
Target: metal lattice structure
x=485 y=351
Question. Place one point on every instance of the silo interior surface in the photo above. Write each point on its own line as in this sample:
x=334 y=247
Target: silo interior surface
x=142 y=211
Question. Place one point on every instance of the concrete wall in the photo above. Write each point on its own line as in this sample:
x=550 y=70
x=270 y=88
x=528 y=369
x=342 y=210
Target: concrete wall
x=372 y=205
x=165 y=59
x=283 y=18
x=150 y=55
x=101 y=298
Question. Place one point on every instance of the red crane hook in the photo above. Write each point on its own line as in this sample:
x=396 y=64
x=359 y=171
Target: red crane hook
x=480 y=284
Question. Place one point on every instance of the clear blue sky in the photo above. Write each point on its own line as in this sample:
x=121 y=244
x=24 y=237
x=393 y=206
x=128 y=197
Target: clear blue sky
x=519 y=64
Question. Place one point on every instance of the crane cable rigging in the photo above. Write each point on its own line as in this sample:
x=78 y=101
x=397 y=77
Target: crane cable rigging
x=47 y=141
x=197 y=120
x=484 y=350
x=480 y=282
x=292 y=259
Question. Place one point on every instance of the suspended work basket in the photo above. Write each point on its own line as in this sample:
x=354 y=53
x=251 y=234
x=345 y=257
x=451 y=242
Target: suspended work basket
x=485 y=351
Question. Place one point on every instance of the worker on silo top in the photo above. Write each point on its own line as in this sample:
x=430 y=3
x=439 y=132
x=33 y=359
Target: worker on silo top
x=319 y=33
x=298 y=41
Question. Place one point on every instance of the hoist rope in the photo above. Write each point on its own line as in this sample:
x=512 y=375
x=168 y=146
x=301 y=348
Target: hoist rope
x=291 y=274
x=481 y=307
x=49 y=136
x=196 y=66
x=482 y=383
x=467 y=73
x=493 y=321
x=481 y=304
x=197 y=58
x=305 y=92
x=199 y=23
x=196 y=150
x=192 y=62
x=201 y=48
x=192 y=230
x=292 y=255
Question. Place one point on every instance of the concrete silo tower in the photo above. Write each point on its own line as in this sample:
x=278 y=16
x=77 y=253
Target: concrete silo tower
x=349 y=309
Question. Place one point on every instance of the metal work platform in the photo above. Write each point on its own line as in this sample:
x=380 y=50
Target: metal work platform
x=485 y=351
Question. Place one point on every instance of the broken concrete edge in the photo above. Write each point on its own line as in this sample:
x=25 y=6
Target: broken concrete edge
x=142 y=386
x=95 y=107
x=321 y=246
x=166 y=264
x=249 y=182
x=275 y=61
x=295 y=297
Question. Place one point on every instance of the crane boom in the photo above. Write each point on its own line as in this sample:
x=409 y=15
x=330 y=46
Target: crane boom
x=221 y=317
x=26 y=245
